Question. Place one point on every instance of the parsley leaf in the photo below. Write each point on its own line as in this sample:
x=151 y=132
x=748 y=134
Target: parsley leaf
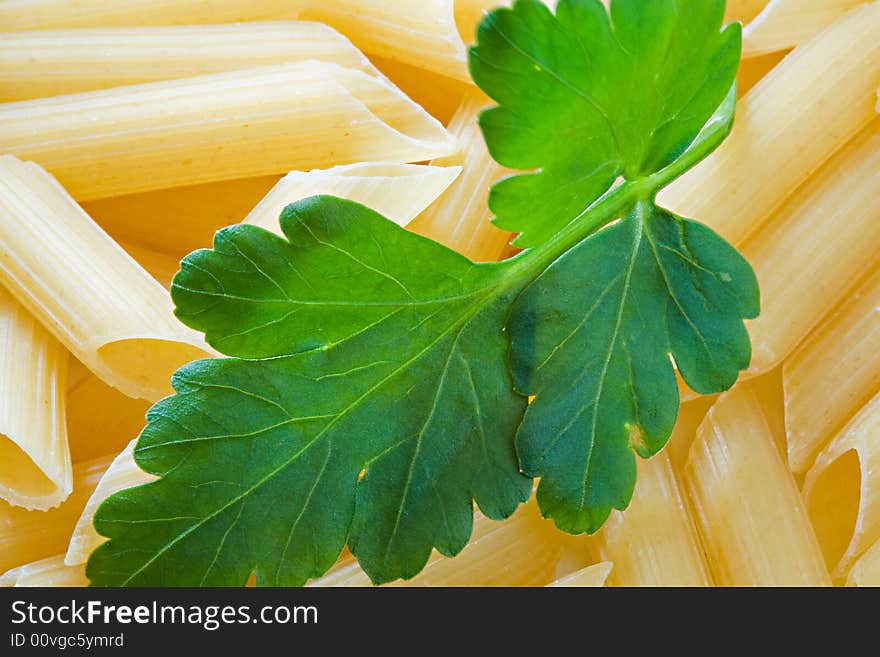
x=584 y=98
x=377 y=381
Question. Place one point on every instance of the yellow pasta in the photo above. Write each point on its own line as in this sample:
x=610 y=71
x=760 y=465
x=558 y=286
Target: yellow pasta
x=690 y=414
x=45 y=572
x=842 y=490
x=428 y=33
x=123 y=473
x=866 y=571
x=743 y=10
x=35 y=470
x=161 y=266
x=750 y=512
x=520 y=551
x=180 y=219
x=42 y=63
x=654 y=542
x=833 y=374
x=422 y=33
x=803 y=111
x=212 y=127
x=438 y=94
x=398 y=191
x=786 y=23
x=826 y=231
x=96 y=300
x=92 y=434
x=37 y=14
x=591 y=576
x=752 y=71
x=29 y=535
x=460 y=219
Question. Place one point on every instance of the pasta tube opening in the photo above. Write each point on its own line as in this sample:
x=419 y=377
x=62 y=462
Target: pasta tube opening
x=35 y=469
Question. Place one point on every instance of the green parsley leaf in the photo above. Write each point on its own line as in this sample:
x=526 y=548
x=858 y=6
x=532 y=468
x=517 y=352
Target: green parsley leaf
x=585 y=98
x=591 y=337
x=377 y=381
x=371 y=336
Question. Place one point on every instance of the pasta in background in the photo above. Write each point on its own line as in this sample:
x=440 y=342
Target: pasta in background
x=252 y=122
x=96 y=300
x=35 y=64
x=842 y=490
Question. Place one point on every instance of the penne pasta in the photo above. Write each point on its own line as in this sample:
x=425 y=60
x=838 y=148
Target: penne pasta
x=96 y=300
x=825 y=230
x=427 y=33
x=866 y=571
x=39 y=14
x=591 y=576
x=45 y=572
x=398 y=191
x=520 y=551
x=654 y=542
x=460 y=219
x=180 y=219
x=123 y=473
x=214 y=127
x=786 y=23
x=750 y=513
x=26 y=536
x=35 y=470
x=843 y=493
x=423 y=33
x=92 y=434
x=828 y=85
x=41 y=63
x=832 y=374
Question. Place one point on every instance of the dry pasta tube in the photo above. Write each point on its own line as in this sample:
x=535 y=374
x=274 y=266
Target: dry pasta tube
x=827 y=232
x=45 y=572
x=39 y=14
x=251 y=122
x=29 y=535
x=92 y=434
x=520 y=551
x=96 y=300
x=123 y=473
x=398 y=191
x=832 y=374
x=590 y=577
x=866 y=571
x=41 y=63
x=842 y=491
x=793 y=120
x=786 y=23
x=180 y=219
x=421 y=33
x=35 y=470
x=750 y=512
x=424 y=33
x=460 y=219
x=654 y=542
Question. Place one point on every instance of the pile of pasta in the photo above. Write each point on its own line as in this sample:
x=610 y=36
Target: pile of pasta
x=131 y=130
